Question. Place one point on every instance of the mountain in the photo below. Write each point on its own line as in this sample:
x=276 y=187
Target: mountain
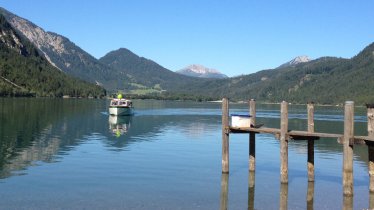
x=117 y=70
x=65 y=55
x=295 y=61
x=144 y=72
x=24 y=72
x=196 y=70
x=326 y=80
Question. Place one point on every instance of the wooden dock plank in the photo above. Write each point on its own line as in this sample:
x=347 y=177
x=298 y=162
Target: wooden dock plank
x=290 y=133
x=314 y=134
x=256 y=130
x=365 y=138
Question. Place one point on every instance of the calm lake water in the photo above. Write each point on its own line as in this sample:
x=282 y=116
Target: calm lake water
x=70 y=154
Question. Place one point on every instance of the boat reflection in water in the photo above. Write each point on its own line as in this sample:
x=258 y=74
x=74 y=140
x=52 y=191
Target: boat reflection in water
x=119 y=125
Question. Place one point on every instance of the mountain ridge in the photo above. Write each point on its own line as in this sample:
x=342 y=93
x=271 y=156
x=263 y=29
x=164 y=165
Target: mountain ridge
x=326 y=80
x=295 y=61
x=143 y=71
x=64 y=54
x=24 y=72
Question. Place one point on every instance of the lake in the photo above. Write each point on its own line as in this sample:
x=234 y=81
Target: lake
x=70 y=154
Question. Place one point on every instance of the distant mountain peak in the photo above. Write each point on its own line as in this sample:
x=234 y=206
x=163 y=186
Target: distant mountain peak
x=197 y=70
x=295 y=61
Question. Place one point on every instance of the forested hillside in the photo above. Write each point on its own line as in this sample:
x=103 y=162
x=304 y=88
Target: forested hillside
x=327 y=80
x=145 y=72
x=65 y=55
x=24 y=72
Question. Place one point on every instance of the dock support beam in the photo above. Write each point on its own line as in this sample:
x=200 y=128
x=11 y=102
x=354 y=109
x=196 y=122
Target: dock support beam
x=348 y=148
x=252 y=136
x=284 y=143
x=225 y=135
x=310 y=108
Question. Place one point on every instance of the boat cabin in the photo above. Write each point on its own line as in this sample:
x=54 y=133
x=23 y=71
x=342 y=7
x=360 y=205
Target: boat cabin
x=121 y=103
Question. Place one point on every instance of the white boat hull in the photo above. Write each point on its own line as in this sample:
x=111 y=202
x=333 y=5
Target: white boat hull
x=120 y=111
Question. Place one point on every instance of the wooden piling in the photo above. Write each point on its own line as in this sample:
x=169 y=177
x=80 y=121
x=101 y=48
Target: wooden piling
x=347 y=139
x=310 y=108
x=370 y=116
x=348 y=148
x=225 y=135
x=252 y=136
x=284 y=143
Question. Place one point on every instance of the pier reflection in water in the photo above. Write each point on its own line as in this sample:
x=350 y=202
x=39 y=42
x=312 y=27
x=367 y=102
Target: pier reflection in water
x=310 y=196
x=371 y=201
x=224 y=191
x=251 y=190
x=347 y=201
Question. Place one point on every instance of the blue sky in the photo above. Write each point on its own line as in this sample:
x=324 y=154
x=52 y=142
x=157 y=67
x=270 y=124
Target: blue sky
x=234 y=37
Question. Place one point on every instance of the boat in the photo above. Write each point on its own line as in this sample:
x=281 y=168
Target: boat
x=120 y=106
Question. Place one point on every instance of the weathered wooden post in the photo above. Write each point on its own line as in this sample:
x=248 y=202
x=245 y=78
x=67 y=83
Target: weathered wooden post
x=370 y=115
x=348 y=148
x=252 y=136
x=284 y=143
x=225 y=135
x=310 y=108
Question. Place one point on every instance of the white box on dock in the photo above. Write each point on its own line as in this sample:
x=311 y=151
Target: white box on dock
x=240 y=120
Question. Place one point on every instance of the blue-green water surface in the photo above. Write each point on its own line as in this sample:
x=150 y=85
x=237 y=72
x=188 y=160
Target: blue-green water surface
x=70 y=154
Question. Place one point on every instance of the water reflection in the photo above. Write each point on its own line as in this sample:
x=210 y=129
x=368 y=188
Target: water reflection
x=251 y=190
x=310 y=196
x=283 y=197
x=347 y=201
x=119 y=125
x=33 y=130
x=224 y=191
x=371 y=200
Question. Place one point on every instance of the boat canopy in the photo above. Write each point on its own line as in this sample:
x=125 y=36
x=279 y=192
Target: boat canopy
x=121 y=103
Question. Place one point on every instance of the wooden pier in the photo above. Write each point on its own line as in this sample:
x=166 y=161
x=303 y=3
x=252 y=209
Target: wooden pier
x=284 y=135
